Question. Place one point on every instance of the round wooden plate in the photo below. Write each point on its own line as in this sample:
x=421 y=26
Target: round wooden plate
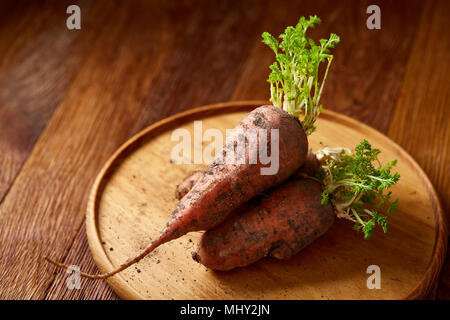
x=133 y=196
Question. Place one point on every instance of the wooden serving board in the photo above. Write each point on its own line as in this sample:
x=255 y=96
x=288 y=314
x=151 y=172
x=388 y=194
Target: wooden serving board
x=133 y=196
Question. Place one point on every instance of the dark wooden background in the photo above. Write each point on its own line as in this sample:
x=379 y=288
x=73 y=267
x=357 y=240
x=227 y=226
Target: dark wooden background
x=68 y=99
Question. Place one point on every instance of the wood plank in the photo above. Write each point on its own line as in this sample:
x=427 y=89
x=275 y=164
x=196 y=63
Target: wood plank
x=206 y=61
x=421 y=120
x=92 y=122
x=32 y=49
x=68 y=153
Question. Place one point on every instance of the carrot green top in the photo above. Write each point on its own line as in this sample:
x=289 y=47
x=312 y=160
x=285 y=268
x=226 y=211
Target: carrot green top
x=356 y=184
x=294 y=81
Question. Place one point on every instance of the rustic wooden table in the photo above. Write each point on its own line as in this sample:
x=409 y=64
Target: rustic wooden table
x=69 y=98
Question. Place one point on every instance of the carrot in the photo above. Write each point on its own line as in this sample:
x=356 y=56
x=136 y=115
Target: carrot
x=225 y=186
x=310 y=168
x=184 y=187
x=282 y=222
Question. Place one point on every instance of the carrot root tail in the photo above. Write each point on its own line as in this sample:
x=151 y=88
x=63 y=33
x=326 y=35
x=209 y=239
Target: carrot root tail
x=165 y=237
x=83 y=274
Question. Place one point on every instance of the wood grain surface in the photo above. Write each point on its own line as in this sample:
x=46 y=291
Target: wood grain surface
x=70 y=98
x=133 y=195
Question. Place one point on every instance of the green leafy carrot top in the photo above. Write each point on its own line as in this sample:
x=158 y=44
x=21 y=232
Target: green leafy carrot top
x=294 y=81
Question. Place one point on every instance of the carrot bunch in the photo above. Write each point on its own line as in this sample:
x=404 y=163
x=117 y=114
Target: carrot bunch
x=282 y=221
x=248 y=215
